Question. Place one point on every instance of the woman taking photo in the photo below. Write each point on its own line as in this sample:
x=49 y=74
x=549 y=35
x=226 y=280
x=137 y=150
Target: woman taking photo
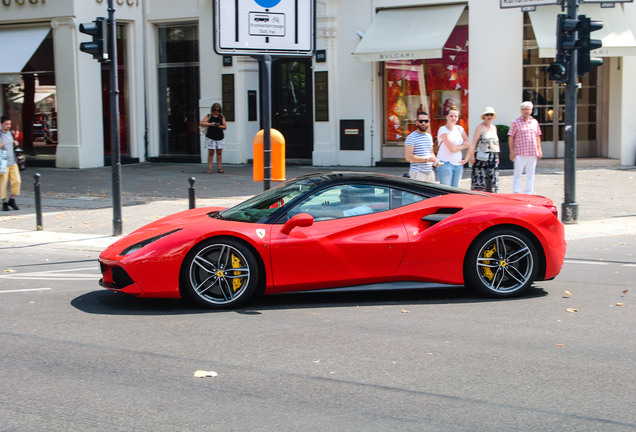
x=214 y=137
x=453 y=140
x=484 y=154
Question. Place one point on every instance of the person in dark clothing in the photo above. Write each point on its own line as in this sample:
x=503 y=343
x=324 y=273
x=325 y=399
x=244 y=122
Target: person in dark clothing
x=215 y=137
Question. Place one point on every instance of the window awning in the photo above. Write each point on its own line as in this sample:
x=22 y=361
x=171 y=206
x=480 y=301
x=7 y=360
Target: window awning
x=408 y=33
x=18 y=45
x=618 y=39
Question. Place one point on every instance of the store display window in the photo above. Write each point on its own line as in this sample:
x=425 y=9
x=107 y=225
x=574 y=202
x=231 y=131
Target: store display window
x=430 y=85
x=31 y=102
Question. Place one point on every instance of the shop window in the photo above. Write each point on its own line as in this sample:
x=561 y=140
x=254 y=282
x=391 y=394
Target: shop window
x=430 y=85
x=548 y=98
x=179 y=90
x=32 y=102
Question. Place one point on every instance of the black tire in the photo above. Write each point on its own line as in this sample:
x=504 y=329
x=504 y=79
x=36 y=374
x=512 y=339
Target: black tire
x=501 y=263
x=220 y=273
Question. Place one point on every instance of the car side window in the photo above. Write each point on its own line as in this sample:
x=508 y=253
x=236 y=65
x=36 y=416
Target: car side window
x=400 y=198
x=345 y=201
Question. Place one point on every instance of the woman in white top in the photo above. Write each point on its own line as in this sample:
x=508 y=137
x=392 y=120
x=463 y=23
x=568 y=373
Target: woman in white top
x=453 y=140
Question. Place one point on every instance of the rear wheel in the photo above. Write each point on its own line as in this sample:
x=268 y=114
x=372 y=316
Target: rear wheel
x=501 y=263
x=220 y=273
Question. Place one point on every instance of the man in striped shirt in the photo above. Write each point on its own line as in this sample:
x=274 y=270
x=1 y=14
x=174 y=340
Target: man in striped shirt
x=418 y=149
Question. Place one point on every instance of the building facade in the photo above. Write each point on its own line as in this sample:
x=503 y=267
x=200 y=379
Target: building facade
x=377 y=63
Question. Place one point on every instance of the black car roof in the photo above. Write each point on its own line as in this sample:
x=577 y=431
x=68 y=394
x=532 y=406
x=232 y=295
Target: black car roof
x=345 y=177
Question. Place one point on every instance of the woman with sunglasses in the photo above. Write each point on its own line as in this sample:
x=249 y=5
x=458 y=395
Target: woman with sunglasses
x=484 y=154
x=453 y=140
x=214 y=137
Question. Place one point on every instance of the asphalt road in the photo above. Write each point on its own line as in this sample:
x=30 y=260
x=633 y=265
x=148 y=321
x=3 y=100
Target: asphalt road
x=76 y=357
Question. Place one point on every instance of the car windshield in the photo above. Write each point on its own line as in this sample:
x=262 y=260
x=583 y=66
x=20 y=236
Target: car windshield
x=264 y=205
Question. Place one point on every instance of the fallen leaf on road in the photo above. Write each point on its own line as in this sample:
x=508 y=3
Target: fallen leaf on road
x=625 y=291
x=9 y=271
x=619 y=304
x=405 y=311
x=571 y=310
x=205 y=374
x=568 y=293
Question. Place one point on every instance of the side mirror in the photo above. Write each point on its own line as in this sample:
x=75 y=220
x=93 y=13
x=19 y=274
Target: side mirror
x=300 y=220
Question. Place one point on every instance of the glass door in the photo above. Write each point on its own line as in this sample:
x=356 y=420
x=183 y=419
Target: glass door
x=178 y=77
x=548 y=98
x=292 y=105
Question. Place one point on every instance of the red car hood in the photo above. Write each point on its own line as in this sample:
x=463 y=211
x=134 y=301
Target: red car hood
x=178 y=221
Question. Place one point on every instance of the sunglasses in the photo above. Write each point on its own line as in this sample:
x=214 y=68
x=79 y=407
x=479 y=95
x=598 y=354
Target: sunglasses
x=422 y=121
x=489 y=114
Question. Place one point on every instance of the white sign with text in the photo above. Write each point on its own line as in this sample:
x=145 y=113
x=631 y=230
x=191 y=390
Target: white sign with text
x=253 y=27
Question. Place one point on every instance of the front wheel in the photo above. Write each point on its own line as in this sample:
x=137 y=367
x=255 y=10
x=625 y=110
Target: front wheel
x=220 y=274
x=501 y=263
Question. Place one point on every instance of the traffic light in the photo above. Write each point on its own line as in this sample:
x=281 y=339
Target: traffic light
x=566 y=34
x=566 y=44
x=585 y=63
x=99 y=46
x=558 y=71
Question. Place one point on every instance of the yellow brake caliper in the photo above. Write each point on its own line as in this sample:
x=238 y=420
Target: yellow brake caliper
x=488 y=274
x=236 y=283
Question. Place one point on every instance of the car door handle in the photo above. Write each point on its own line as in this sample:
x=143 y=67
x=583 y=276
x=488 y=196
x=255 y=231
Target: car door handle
x=392 y=237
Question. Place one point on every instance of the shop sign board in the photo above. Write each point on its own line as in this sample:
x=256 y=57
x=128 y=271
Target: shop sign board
x=259 y=27
x=526 y=3
x=533 y=3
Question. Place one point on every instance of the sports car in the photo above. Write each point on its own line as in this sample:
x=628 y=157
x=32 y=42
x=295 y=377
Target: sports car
x=341 y=229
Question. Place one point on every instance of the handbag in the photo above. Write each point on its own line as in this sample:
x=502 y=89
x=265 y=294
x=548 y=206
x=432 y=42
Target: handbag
x=20 y=158
x=3 y=161
x=481 y=156
x=204 y=129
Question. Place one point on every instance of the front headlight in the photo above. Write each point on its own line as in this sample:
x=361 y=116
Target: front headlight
x=137 y=246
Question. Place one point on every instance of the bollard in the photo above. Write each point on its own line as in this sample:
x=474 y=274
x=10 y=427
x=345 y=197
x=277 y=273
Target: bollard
x=191 y=193
x=38 y=202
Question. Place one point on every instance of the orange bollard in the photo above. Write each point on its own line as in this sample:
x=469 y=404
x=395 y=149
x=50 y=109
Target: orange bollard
x=278 y=156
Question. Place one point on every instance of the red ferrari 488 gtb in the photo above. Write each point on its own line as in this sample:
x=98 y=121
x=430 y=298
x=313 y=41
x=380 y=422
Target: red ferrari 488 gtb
x=341 y=229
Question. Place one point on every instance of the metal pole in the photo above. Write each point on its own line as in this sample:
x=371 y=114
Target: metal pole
x=570 y=208
x=114 y=120
x=266 y=89
x=38 y=202
x=191 y=198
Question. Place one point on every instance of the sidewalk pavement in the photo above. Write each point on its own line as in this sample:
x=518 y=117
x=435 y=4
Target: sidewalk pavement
x=77 y=203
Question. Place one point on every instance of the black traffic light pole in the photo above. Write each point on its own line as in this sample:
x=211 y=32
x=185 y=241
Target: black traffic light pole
x=266 y=90
x=103 y=48
x=115 y=156
x=570 y=208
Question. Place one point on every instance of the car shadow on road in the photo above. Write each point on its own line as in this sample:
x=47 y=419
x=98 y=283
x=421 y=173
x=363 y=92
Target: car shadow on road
x=104 y=302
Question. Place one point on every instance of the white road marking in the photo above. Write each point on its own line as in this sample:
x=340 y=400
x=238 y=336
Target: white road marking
x=586 y=262
x=60 y=275
x=599 y=263
x=24 y=290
